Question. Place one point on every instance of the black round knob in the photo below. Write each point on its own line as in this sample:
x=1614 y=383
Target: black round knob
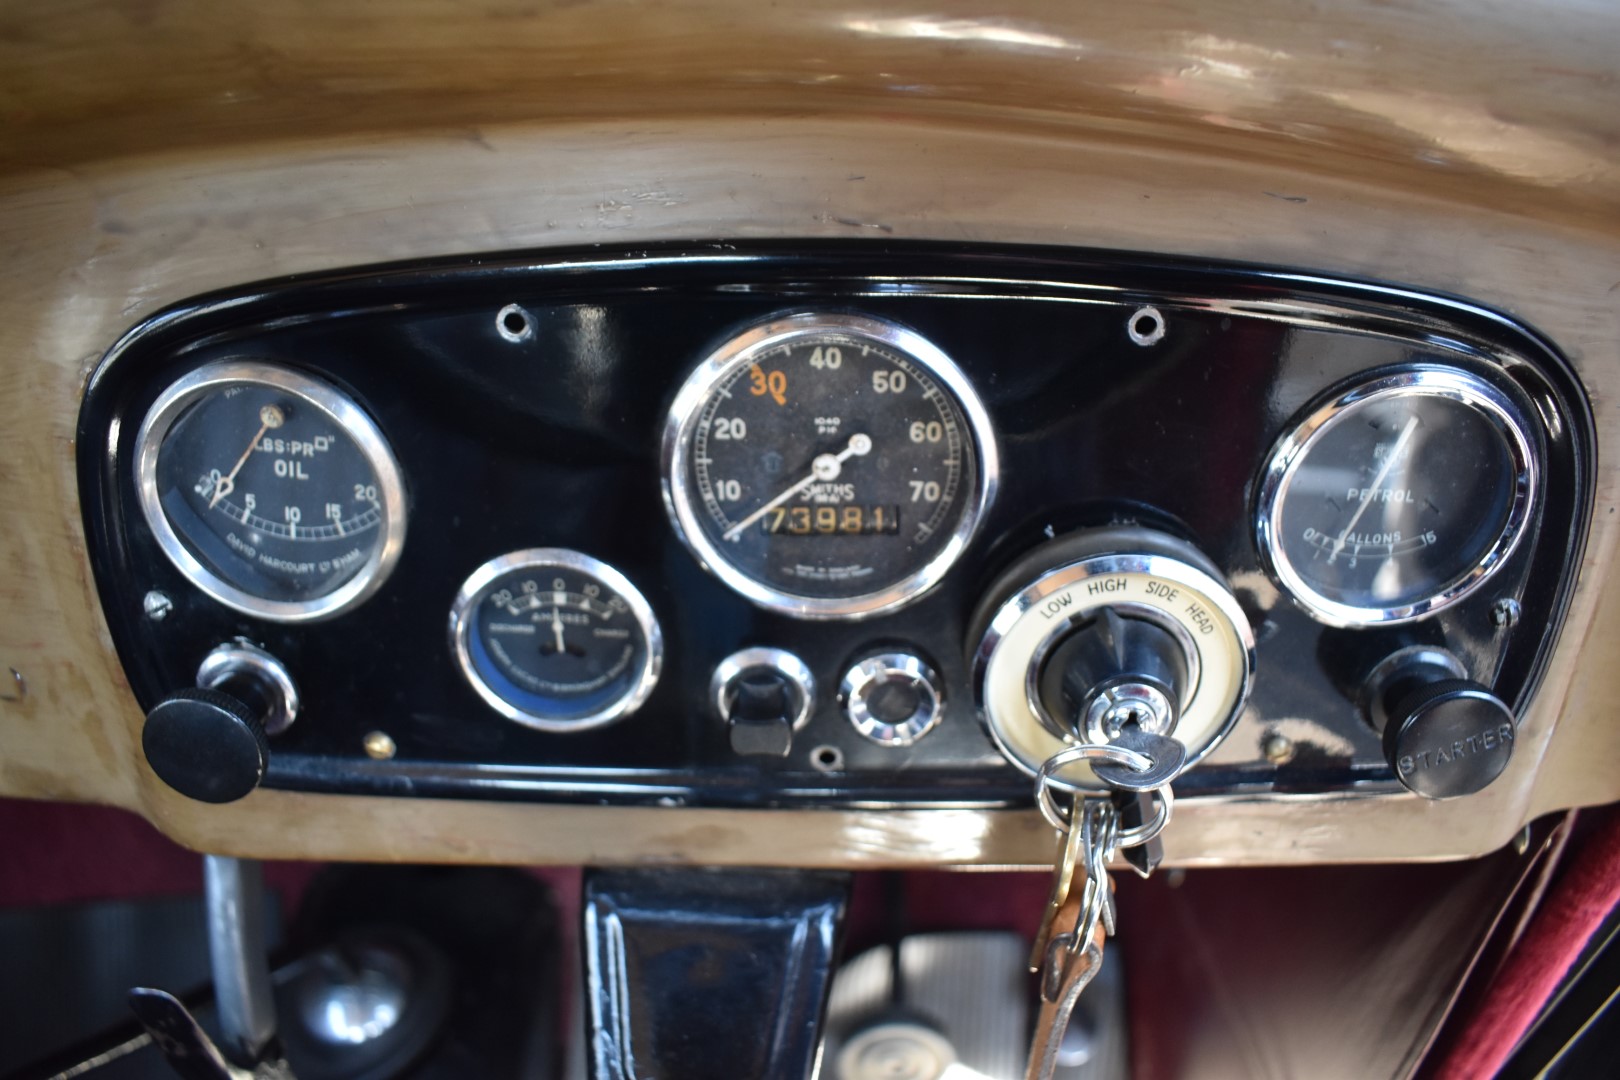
x=1448 y=738
x=208 y=745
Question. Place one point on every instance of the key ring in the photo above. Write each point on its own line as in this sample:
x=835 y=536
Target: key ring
x=1141 y=834
x=1046 y=779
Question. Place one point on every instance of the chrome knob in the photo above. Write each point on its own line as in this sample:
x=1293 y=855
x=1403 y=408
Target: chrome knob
x=894 y=699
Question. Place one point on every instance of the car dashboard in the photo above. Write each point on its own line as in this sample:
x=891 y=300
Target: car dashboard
x=1012 y=193
x=732 y=448
x=825 y=525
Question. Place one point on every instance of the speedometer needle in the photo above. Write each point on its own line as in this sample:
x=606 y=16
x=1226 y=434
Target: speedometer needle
x=1378 y=482
x=823 y=469
x=270 y=417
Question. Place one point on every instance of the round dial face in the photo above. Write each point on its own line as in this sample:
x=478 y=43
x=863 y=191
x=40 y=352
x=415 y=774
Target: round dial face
x=556 y=640
x=828 y=465
x=271 y=490
x=1399 y=497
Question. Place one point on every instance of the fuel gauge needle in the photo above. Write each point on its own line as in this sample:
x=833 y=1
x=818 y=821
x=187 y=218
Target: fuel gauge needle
x=270 y=417
x=1378 y=482
x=824 y=468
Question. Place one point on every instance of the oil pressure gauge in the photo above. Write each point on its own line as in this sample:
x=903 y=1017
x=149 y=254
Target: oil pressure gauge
x=271 y=490
x=828 y=465
x=1398 y=497
x=556 y=640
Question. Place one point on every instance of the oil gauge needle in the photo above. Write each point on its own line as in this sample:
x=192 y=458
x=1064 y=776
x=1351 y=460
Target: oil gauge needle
x=823 y=469
x=1378 y=482
x=270 y=417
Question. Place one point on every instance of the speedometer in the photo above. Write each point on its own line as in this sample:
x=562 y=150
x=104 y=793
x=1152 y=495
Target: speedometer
x=828 y=465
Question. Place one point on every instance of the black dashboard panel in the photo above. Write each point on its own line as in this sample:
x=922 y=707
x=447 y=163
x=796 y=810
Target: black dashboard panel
x=551 y=439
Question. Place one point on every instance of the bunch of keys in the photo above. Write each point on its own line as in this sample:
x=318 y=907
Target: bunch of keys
x=1138 y=768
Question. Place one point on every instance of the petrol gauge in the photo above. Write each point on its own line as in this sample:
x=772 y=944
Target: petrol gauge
x=271 y=490
x=1398 y=497
x=827 y=465
x=556 y=640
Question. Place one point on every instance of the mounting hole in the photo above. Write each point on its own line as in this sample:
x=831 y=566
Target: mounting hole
x=827 y=759
x=1146 y=326
x=514 y=324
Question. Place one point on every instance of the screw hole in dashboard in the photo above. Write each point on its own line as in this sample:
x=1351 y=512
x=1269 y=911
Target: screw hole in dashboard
x=1145 y=326
x=827 y=759
x=513 y=324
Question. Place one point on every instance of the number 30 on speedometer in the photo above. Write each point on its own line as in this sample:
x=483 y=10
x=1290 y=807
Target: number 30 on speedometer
x=828 y=466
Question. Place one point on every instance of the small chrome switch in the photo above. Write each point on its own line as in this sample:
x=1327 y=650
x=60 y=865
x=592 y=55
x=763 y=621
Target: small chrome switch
x=894 y=699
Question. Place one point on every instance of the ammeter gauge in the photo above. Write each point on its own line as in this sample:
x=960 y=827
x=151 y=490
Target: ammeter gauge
x=556 y=640
x=828 y=466
x=271 y=490
x=1398 y=497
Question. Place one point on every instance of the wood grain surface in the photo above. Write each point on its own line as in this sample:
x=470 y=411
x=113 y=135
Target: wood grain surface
x=153 y=150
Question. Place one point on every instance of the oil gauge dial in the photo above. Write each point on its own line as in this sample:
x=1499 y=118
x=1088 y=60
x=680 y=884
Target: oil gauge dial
x=1398 y=497
x=271 y=490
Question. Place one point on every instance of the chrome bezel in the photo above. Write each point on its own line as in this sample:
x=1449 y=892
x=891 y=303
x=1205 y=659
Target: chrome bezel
x=930 y=706
x=681 y=424
x=789 y=665
x=1453 y=384
x=477 y=586
x=214 y=377
x=244 y=658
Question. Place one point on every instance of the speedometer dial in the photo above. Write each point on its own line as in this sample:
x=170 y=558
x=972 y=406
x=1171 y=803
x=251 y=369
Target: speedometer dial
x=828 y=465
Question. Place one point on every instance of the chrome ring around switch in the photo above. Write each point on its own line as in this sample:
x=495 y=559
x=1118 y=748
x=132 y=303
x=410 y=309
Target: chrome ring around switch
x=243 y=658
x=784 y=663
x=883 y=670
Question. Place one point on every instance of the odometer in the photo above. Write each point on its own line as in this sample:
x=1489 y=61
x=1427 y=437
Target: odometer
x=828 y=465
